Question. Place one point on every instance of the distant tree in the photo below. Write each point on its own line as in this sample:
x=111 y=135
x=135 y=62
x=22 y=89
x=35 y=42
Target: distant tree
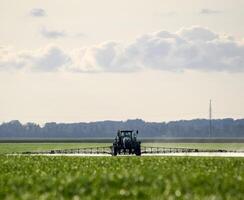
x=184 y=128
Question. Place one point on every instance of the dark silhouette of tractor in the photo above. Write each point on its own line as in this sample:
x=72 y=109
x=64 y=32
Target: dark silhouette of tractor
x=126 y=143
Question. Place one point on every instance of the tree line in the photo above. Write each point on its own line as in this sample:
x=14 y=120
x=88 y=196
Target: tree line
x=183 y=128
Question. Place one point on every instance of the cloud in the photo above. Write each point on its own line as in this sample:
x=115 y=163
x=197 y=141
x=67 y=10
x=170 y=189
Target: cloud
x=194 y=48
x=51 y=58
x=207 y=11
x=165 y=14
x=9 y=59
x=197 y=33
x=38 y=12
x=48 y=59
x=80 y=35
x=52 y=34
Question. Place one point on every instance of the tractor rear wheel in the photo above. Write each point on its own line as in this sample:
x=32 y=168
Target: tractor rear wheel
x=138 y=149
x=114 y=151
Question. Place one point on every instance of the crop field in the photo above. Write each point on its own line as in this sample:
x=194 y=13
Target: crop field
x=20 y=147
x=226 y=146
x=44 y=177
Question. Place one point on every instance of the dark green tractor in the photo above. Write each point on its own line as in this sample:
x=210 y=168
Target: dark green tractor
x=126 y=143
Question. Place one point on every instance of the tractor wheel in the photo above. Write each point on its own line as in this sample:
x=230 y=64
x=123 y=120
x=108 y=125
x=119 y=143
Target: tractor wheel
x=138 y=150
x=114 y=151
x=138 y=153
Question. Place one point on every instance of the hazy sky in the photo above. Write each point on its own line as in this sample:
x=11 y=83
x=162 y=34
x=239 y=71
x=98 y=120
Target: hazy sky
x=80 y=60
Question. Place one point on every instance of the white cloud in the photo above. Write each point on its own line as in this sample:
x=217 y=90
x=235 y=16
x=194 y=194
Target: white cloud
x=207 y=11
x=166 y=14
x=194 y=48
x=37 y=12
x=52 y=34
x=50 y=58
x=197 y=33
x=9 y=60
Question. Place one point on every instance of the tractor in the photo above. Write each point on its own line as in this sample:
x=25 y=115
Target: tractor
x=126 y=143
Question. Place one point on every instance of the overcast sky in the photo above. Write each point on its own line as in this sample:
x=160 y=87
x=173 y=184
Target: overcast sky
x=80 y=60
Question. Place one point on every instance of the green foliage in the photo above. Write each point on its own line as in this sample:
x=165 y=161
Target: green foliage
x=227 y=146
x=50 y=177
x=20 y=147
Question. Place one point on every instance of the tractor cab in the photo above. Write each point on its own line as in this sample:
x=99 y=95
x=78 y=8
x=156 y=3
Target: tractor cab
x=126 y=142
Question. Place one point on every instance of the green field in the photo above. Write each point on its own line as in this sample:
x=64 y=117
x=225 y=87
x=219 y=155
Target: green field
x=20 y=147
x=45 y=177
x=226 y=146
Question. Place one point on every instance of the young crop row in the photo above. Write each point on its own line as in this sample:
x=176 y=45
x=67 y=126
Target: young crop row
x=44 y=177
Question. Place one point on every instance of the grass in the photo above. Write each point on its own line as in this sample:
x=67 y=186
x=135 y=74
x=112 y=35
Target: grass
x=44 y=177
x=226 y=146
x=20 y=147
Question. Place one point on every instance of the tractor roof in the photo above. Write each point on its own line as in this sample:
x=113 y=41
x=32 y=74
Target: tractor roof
x=126 y=131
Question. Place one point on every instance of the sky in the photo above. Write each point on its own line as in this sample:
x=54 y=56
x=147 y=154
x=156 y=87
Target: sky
x=80 y=60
